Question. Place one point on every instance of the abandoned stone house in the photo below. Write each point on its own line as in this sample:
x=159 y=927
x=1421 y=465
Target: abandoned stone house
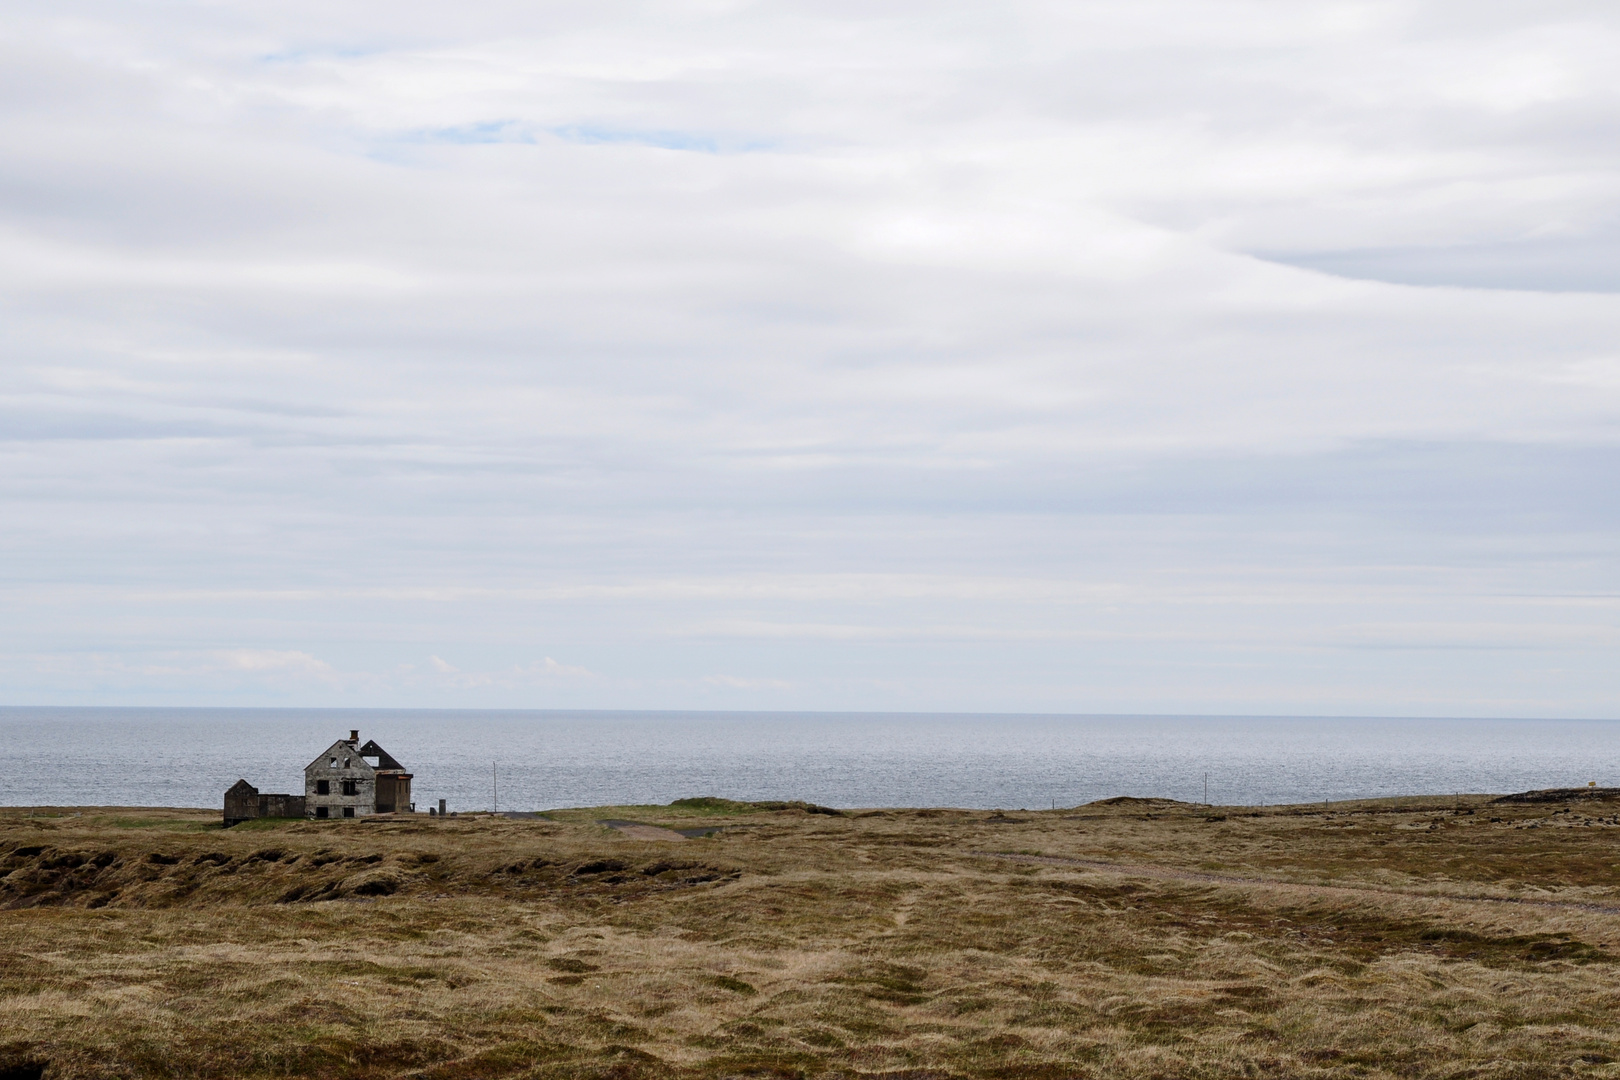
x=347 y=780
x=350 y=780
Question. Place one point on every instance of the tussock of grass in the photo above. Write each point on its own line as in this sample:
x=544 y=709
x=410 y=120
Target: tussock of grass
x=804 y=944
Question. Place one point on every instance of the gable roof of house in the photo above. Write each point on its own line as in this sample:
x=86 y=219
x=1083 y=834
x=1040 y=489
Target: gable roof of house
x=342 y=749
x=385 y=760
x=242 y=787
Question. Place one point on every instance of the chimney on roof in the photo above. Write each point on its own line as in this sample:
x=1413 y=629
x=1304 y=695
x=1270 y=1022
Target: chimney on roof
x=354 y=736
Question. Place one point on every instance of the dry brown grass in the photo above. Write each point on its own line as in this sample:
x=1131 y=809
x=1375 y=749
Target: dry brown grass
x=1359 y=941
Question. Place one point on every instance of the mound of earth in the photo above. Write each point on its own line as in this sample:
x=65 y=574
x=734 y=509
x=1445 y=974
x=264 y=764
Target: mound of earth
x=1132 y=800
x=1558 y=795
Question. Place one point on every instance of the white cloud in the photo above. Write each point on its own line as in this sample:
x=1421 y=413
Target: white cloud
x=269 y=674
x=550 y=669
x=274 y=660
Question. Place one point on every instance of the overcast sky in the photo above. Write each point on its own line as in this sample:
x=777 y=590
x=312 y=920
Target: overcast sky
x=1194 y=356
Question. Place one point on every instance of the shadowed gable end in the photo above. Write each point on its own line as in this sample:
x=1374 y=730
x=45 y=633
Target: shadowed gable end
x=340 y=783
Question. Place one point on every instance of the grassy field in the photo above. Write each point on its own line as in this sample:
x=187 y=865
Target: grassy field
x=1412 y=938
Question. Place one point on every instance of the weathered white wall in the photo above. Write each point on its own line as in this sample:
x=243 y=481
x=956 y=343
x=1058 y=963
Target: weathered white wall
x=340 y=762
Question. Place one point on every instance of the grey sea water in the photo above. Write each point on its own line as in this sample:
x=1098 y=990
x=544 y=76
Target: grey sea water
x=188 y=757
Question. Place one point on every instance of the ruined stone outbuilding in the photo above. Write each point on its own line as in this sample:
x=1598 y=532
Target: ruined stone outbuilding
x=243 y=802
x=350 y=780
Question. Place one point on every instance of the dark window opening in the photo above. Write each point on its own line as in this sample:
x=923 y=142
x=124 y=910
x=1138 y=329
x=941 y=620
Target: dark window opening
x=320 y=811
x=323 y=787
x=348 y=811
x=351 y=787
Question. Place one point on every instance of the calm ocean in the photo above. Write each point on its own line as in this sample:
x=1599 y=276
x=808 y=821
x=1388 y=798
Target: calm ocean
x=188 y=757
